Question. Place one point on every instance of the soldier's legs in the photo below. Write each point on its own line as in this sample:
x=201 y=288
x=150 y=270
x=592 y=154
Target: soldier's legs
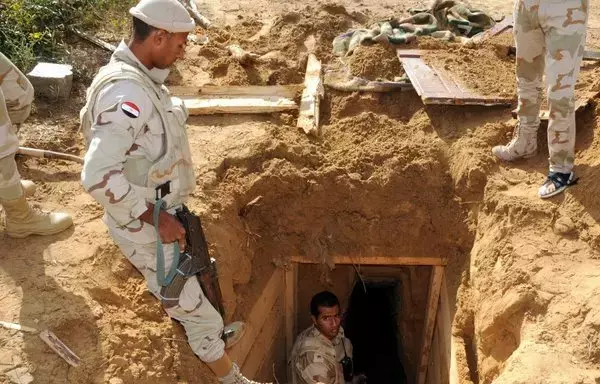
x=9 y=176
x=21 y=220
x=203 y=324
x=565 y=25
x=530 y=44
x=10 y=180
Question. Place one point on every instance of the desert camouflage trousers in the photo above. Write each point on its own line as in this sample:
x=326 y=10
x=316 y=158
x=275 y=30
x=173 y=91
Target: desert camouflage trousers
x=550 y=39
x=202 y=323
x=9 y=176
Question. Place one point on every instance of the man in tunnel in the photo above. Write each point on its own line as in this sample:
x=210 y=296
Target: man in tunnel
x=321 y=353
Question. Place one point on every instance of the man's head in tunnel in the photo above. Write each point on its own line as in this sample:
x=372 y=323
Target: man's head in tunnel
x=326 y=314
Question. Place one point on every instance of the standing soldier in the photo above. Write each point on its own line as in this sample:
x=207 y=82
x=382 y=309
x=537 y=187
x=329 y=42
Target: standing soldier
x=16 y=96
x=550 y=39
x=139 y=168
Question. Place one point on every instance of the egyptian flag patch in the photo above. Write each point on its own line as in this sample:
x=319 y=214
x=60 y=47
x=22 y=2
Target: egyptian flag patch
x=130 y=109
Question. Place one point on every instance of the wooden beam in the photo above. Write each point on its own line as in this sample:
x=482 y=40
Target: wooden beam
x=308 y=119
x=288 y=91
x=444 y=329
x=209 y=105
x=258 y=316
x=94 y=40
x=263 y=343
x=437 y=274
x=291 y=307
x=375 y=260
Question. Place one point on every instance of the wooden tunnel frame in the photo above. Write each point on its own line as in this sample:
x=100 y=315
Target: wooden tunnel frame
x=262 y=330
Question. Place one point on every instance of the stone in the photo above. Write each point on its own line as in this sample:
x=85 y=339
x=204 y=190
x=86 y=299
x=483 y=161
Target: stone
x=564 y=226
x=52 y=81
x=20 y=376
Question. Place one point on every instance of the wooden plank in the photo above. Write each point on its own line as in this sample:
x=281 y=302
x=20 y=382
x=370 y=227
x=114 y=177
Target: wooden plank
x=263 y=343
x=437 y=274
x=410 y=52
x=288 y=91
x=375 y=260
x=444 y=329
x=291 y=307
x=497 y=29
x=435 y=85
x=202 y=105
x=591 y=55
x=580 y=104
x=60 y=348
x=258 y=316
x=94 y=40
x=308 y=119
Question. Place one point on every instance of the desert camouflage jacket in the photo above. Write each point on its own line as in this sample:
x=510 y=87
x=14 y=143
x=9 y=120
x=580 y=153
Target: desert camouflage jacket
x=316 y=359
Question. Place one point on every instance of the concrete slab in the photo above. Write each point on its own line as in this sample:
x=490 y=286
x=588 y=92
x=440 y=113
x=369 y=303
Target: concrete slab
x=52 y=81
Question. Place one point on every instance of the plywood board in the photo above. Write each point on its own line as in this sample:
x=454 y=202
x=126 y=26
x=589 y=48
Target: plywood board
x=435 y=85
x=258 y=316
x=263 y=343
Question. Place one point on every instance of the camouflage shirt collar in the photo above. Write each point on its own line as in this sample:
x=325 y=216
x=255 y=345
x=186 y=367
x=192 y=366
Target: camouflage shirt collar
x=314 y=332
x=123 y=53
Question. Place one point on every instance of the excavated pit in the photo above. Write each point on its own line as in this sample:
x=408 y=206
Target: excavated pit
x=286 y=212
x=393 y=189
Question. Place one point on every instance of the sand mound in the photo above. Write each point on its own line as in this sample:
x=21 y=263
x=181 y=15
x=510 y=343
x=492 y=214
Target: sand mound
x=482 y=69
x=375 y=62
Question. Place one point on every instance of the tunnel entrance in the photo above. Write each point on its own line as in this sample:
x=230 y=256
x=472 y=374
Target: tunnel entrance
x=371 y=324
x=395 y=312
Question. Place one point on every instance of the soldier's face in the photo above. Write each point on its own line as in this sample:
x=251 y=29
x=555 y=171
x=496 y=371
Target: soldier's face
x=169 y=47
x=328 y=322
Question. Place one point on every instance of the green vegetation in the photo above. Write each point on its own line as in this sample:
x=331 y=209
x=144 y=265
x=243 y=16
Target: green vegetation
x=33 y=30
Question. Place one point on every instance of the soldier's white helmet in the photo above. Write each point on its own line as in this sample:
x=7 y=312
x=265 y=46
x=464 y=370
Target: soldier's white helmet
x=169 y=15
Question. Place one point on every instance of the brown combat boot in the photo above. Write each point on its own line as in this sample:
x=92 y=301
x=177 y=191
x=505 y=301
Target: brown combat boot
x=22 y=220
x=522 y=146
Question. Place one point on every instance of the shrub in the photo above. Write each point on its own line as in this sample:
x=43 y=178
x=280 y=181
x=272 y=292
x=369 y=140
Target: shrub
x=33 y=30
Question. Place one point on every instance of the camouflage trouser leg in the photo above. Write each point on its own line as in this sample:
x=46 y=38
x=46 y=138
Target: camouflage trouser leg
x=10 y=180
x=202 y=323
x=9 y=176
x=550 y=39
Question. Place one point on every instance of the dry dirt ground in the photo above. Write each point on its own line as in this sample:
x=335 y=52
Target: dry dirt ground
x=389 y=176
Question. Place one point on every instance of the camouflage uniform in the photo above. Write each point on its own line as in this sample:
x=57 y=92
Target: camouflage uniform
x=550 y=39
x=316 y=359
x=128 y=121
x=16 y=96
